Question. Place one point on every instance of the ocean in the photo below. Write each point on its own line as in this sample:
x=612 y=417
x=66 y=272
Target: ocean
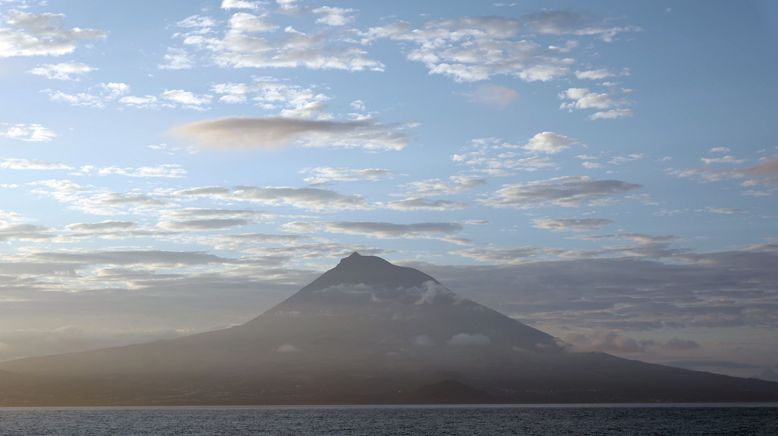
x=709 y=419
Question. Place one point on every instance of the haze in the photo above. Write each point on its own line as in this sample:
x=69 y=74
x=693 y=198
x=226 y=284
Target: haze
x=603 y=172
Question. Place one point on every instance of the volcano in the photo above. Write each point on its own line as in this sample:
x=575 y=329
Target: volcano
x=364 y=332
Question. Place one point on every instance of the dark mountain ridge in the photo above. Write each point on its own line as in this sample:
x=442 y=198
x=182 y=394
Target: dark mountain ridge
x=366 y=331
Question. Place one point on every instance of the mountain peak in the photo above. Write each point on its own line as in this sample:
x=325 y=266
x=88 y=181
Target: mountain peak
x=370 y=270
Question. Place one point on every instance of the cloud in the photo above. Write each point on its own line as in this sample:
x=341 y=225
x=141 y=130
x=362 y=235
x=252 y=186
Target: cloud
x=287 y=348
x=303 y=198
x=134 y=257
x=28 y=34
x=94 y=200
x=454 y=185
x=384 y=230
x=96 y=96
x=324 y=175
x=169 y=171
x=250 y=41
x=566 y=224
x=416 y=203
x=549 y=143
x=278 y=132
x=22 y=231
x=239 y=4
x=27 y=164
x=677 y=344
x=469 y=339
x=762 y=174
x=611 y=114
x=332 y=16
x=609 y=342
x=493 y=95
x=63 y=71
x=571 y=23
x=176 y=59
x=208 y=219
x=495 y=157
x=102 y=226
x=727 y=159
x=561 y=191
x=609 y=107
x=270 y=94
x=687 y=290
x=501 y=255
x=186 y=98
x=599 y=74
x=470 y=49
x=26 y=132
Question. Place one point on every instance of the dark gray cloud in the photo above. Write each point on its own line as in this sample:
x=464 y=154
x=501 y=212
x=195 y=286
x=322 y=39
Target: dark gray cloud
x=565 y=224
x=416 y=203
x=561 y=191
x=133 y=257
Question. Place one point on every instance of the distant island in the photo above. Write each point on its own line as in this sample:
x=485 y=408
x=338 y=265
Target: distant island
x=364 y=332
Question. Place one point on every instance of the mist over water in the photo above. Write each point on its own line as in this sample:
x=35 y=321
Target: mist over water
x=427 y=420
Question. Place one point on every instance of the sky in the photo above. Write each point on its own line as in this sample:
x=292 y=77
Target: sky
x=604 y=171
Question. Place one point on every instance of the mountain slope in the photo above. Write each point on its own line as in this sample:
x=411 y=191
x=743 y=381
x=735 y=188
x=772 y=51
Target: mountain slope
x=365 y=331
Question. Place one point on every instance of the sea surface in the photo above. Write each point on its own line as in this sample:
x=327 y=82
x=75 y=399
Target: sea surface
x=709 y=419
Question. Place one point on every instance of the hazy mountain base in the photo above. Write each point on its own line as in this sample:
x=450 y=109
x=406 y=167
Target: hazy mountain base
x=366 y=331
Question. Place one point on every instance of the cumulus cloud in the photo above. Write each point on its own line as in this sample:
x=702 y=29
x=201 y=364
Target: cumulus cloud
x=239 y=4
x=324 y=175
x=333 y=16
x=560 y=191
x=549 y=143
x=270 y=94
x=565 y=224
x=470 y=49
x=97 y=96
x=251 y=41
x=62 y=71
x=278 y=132
x=26 y=132
x=607 y=106
x=29 y=34
x=497 y=158
x=177 y=59
x=186 y=98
